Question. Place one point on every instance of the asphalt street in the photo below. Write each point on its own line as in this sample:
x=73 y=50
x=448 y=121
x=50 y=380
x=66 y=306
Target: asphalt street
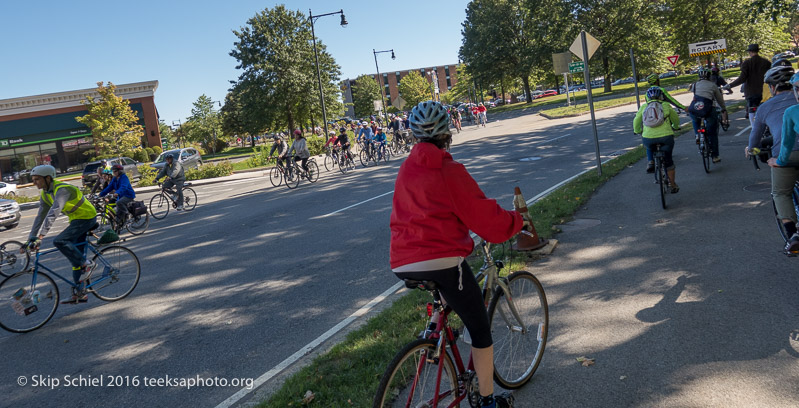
x=255 y=273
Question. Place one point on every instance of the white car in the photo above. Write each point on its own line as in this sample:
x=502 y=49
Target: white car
x=6 y=188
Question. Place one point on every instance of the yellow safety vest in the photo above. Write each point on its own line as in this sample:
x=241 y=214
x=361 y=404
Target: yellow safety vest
x=77 y=208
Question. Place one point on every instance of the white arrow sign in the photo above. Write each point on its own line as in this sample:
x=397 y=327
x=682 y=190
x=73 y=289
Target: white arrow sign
x=577 y=46
x=707 y=47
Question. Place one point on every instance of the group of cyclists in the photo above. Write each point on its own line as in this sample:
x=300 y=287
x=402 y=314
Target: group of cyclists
x=772 y=96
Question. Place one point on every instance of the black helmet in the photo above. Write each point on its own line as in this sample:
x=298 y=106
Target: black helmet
x=778 y=75
x=117 y=167
x=169 y=156
x=783 y=62
x=342 y=130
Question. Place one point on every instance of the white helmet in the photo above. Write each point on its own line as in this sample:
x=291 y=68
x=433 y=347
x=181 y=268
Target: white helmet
x=43 y=171
x=430 y=120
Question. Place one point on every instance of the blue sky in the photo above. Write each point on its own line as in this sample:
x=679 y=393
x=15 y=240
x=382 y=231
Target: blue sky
x=55 y=46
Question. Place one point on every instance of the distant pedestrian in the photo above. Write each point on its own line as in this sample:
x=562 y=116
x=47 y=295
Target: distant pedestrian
x=752 y=72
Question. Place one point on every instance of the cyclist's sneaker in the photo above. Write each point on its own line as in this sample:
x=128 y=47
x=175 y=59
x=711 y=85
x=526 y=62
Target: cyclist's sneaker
x=716 y=159
x=179 y=207
x=675 y=188
x=792 y=245
x=504 y=400
x=697 y=139
x=86 y=273
x=78 y=296
x=650 y=167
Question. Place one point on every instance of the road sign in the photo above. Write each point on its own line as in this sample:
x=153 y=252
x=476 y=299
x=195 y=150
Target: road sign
x=561 y=62
x=673 y=59
x=577 y=46
x=578 y=66
x=707 y=47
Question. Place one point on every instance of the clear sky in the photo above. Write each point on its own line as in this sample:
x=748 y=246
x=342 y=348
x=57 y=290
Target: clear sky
x=55 y=45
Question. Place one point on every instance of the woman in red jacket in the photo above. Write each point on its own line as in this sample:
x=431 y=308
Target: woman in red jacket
x=436 y=203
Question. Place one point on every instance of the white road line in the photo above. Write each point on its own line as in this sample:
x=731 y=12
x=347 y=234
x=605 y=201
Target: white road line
x=354 y=205
x=308 y=348
x=559 y=137
x=741 y=132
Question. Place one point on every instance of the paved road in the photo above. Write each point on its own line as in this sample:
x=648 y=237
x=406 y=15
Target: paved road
x=256 y=272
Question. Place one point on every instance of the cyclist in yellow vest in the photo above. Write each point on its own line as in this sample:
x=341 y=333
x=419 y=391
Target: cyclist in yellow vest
x=58 y=197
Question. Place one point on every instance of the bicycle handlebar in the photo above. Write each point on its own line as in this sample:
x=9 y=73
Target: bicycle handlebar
x=753 y=154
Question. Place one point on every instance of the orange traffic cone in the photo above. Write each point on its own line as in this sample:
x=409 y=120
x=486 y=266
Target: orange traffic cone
x=528 y=239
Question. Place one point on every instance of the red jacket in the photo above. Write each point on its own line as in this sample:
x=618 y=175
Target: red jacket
x=482 y=108
x=436 y=203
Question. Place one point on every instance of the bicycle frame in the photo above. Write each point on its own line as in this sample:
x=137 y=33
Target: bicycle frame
x=441 y=346
x=104 y=276
x=490 y=272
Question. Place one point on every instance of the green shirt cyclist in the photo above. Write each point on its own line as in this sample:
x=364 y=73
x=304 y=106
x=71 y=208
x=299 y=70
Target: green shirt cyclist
x=654 y=80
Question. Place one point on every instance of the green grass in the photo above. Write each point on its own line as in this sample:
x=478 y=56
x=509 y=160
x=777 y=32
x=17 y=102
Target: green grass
x=349 y=373
x=582 y=108
x=230 y=152
x=20 y=199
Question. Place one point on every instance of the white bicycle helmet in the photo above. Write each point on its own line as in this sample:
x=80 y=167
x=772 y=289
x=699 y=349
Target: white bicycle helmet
x=429 y=120
x=778 y=75
x=43 y=171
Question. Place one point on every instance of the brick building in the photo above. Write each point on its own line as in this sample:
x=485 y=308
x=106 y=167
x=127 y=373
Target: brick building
x=446 y=78
x=42 y=129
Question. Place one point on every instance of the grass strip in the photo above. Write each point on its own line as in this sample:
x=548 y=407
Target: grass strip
x=577 y=110
x=349 y=373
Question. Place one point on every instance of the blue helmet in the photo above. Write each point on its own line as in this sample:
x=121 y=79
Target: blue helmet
x=654 y=93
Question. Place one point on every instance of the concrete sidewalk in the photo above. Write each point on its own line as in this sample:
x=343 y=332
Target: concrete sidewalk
x=693 y=306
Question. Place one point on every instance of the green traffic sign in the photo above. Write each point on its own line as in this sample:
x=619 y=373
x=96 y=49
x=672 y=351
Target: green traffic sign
x=576 y=67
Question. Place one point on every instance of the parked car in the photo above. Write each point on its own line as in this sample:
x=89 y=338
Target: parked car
x=187 y=156
x=89 y=176
x=669 y=74
x=10 y=189
x=535 y=94
x=9 y=213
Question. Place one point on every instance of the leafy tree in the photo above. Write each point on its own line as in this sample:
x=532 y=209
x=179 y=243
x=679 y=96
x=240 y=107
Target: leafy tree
x=204 y=123
x=167 y=133
x=415 y=89
x=115 y=127
x=277 y=87
x=364 y=93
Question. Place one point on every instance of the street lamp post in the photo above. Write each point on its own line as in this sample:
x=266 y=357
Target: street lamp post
x=176 y=130
x=313 y=18
x=380 y=82
x=433 y=83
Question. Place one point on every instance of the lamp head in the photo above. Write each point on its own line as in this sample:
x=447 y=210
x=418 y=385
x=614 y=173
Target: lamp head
x=343 y=19
x=392 y=55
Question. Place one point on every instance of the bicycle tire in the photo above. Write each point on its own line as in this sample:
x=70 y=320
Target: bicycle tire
x=138 y=224
x=11 y=261
x=330 y=163
x=189 y=199
x=115 y=267
x=517 y=354
x=276 y=176
x=293 y=178
x=386 y=155
x=106 y=223
x=364 y=158
x=410 y=366
x=780 y=225
x=661 y=176
x=313 y=171
x=44 y=309
x=705 y=151
x=159 y=206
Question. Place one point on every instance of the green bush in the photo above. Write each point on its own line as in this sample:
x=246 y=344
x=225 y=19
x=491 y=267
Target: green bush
x=141 y=156
x=18 y=198
x=315 y=144
x=261 y=156
x=157 y=150
x=147 y=175
x=128 y=153
x=150 y=153
x=211 y=170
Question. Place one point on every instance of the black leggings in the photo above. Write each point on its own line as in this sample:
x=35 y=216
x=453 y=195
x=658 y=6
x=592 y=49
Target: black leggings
x=467 y=303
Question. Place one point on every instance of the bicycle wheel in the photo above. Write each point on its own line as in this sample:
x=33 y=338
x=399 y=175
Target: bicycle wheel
x=107 y=221
x=518 y=345
x=364 y=158
x=313 y=171
x=780 y=225
x=11 y=261
x=189 y=199
x=159 y=206
x=662 y=177
x=116 y=274
x=386 y=154
x=705 y=151
x=27 y=304
x=137 y=224
x=330 y=163
x=276 y=176
x=410 y=379
x=293 y=177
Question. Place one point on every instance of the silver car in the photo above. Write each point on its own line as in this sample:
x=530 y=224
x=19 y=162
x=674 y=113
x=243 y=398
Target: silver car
x=187 y=156
x=9 y=213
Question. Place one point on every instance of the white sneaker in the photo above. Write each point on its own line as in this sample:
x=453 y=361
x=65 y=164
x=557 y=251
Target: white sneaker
x=179 y=208
x=88 y=268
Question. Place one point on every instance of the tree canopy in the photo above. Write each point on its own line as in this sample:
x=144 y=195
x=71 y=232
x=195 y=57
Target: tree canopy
x=364 y=93
x=115 y=126
x=414 y=89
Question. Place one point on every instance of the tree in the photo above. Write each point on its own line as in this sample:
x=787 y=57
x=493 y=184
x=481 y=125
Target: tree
x=277 y=86
x=167 y=133
x=364 y=93
x=415 y=89
x=115 y=127
x=204 y=124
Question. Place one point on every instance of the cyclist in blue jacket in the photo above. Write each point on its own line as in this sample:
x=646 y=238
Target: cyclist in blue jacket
x=120 y=185
x=785 y=165
x=380 y=142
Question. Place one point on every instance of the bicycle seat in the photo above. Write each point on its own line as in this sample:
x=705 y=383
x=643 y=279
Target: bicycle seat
x=418 y=284
x=187 y=184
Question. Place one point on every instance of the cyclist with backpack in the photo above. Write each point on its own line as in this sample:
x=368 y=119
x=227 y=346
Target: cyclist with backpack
x=784 y=171
x=120 y=185
x=707 y=97
x=656 y=122
x=654 y=80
